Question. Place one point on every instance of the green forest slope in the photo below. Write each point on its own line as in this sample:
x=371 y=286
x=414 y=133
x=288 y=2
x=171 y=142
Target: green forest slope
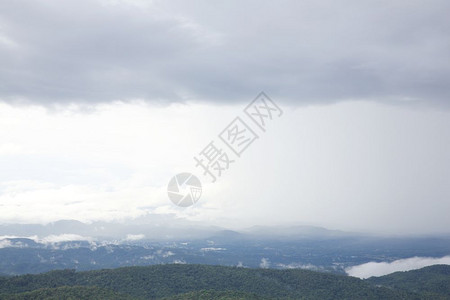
x=219 y=282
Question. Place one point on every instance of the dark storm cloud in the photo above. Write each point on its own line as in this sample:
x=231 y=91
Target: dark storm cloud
x=301 y=51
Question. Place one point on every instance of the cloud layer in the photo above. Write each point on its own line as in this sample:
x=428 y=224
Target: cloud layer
x=165 y=51
x=383 y=268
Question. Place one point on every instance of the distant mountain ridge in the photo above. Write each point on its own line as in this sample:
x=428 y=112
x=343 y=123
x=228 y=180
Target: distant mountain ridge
x=63 y=246
x=162 y=228
x=169 y=228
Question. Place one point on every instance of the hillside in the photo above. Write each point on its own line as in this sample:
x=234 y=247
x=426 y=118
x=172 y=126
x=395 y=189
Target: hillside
x=430 y=280
x=219 y=282
x=69 y=292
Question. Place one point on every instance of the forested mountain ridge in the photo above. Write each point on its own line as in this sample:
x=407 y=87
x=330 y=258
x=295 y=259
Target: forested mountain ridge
x=217 y=282
x=429 y=280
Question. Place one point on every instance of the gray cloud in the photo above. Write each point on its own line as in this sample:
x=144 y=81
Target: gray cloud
x=299 y=51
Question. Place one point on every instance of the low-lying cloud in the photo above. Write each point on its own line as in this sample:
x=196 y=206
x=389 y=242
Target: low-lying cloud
x=135 y=237
x=383 y=268
x=5 y=240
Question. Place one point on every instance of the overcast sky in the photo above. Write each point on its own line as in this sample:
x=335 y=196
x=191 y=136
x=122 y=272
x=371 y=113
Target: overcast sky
x=102 y=102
